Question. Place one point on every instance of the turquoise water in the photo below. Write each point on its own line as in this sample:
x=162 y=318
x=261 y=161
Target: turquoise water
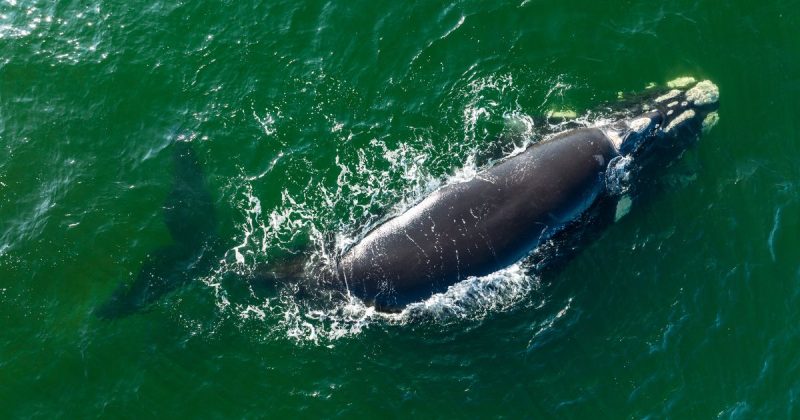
x=316 y=120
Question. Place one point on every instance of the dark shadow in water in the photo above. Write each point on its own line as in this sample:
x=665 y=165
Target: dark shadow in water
x=191 y=220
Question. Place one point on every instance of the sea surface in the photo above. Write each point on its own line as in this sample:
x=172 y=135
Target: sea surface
x=316 y=120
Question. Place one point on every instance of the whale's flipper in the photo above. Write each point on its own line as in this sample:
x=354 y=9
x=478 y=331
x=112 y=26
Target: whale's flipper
x=191 y=221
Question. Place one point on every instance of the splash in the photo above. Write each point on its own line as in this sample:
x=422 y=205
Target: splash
x=476 y=297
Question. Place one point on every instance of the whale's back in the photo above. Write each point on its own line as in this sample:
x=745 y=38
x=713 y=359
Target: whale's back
x=476 y=227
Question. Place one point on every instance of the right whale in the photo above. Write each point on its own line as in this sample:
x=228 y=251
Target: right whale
x=495 y=219
x=465 y=229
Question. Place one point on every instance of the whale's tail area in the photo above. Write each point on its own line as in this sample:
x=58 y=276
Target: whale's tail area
x=190 y=218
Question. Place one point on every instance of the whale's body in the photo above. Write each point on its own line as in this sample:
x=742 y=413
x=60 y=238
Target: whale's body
x=476 y=227
x=479 y=226
x=470 y=228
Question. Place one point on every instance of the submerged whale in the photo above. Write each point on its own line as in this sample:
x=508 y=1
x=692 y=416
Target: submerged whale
x=471 y=228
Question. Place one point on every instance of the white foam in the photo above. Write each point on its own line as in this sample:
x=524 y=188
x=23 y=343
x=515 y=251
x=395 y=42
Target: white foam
x=476 y=297
x=618 y=175
x=615 y=138
x=267 y=123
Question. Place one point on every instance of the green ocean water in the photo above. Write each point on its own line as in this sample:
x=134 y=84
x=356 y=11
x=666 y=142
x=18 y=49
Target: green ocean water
x=316 y=120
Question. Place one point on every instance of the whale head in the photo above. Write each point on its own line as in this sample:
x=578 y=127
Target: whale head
x=670 y=119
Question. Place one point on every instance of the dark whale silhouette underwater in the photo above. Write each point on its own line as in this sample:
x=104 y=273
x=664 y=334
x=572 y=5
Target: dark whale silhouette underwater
x=470 y=228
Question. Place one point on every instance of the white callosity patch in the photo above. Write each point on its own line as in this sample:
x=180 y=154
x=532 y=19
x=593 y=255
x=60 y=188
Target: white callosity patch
x=672 y=104
x=710 y=121
x=623 y=207
x=669 y=95
x=704 y=93
x=680 y=119
x=681 y=82
x=639 y=124
x=566 y=114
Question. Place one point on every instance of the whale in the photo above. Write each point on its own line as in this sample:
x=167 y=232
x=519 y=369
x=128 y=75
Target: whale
x=479 y=226
x=461 y=230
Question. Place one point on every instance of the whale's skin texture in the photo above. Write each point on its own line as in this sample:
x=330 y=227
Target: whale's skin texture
x=476 y=227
